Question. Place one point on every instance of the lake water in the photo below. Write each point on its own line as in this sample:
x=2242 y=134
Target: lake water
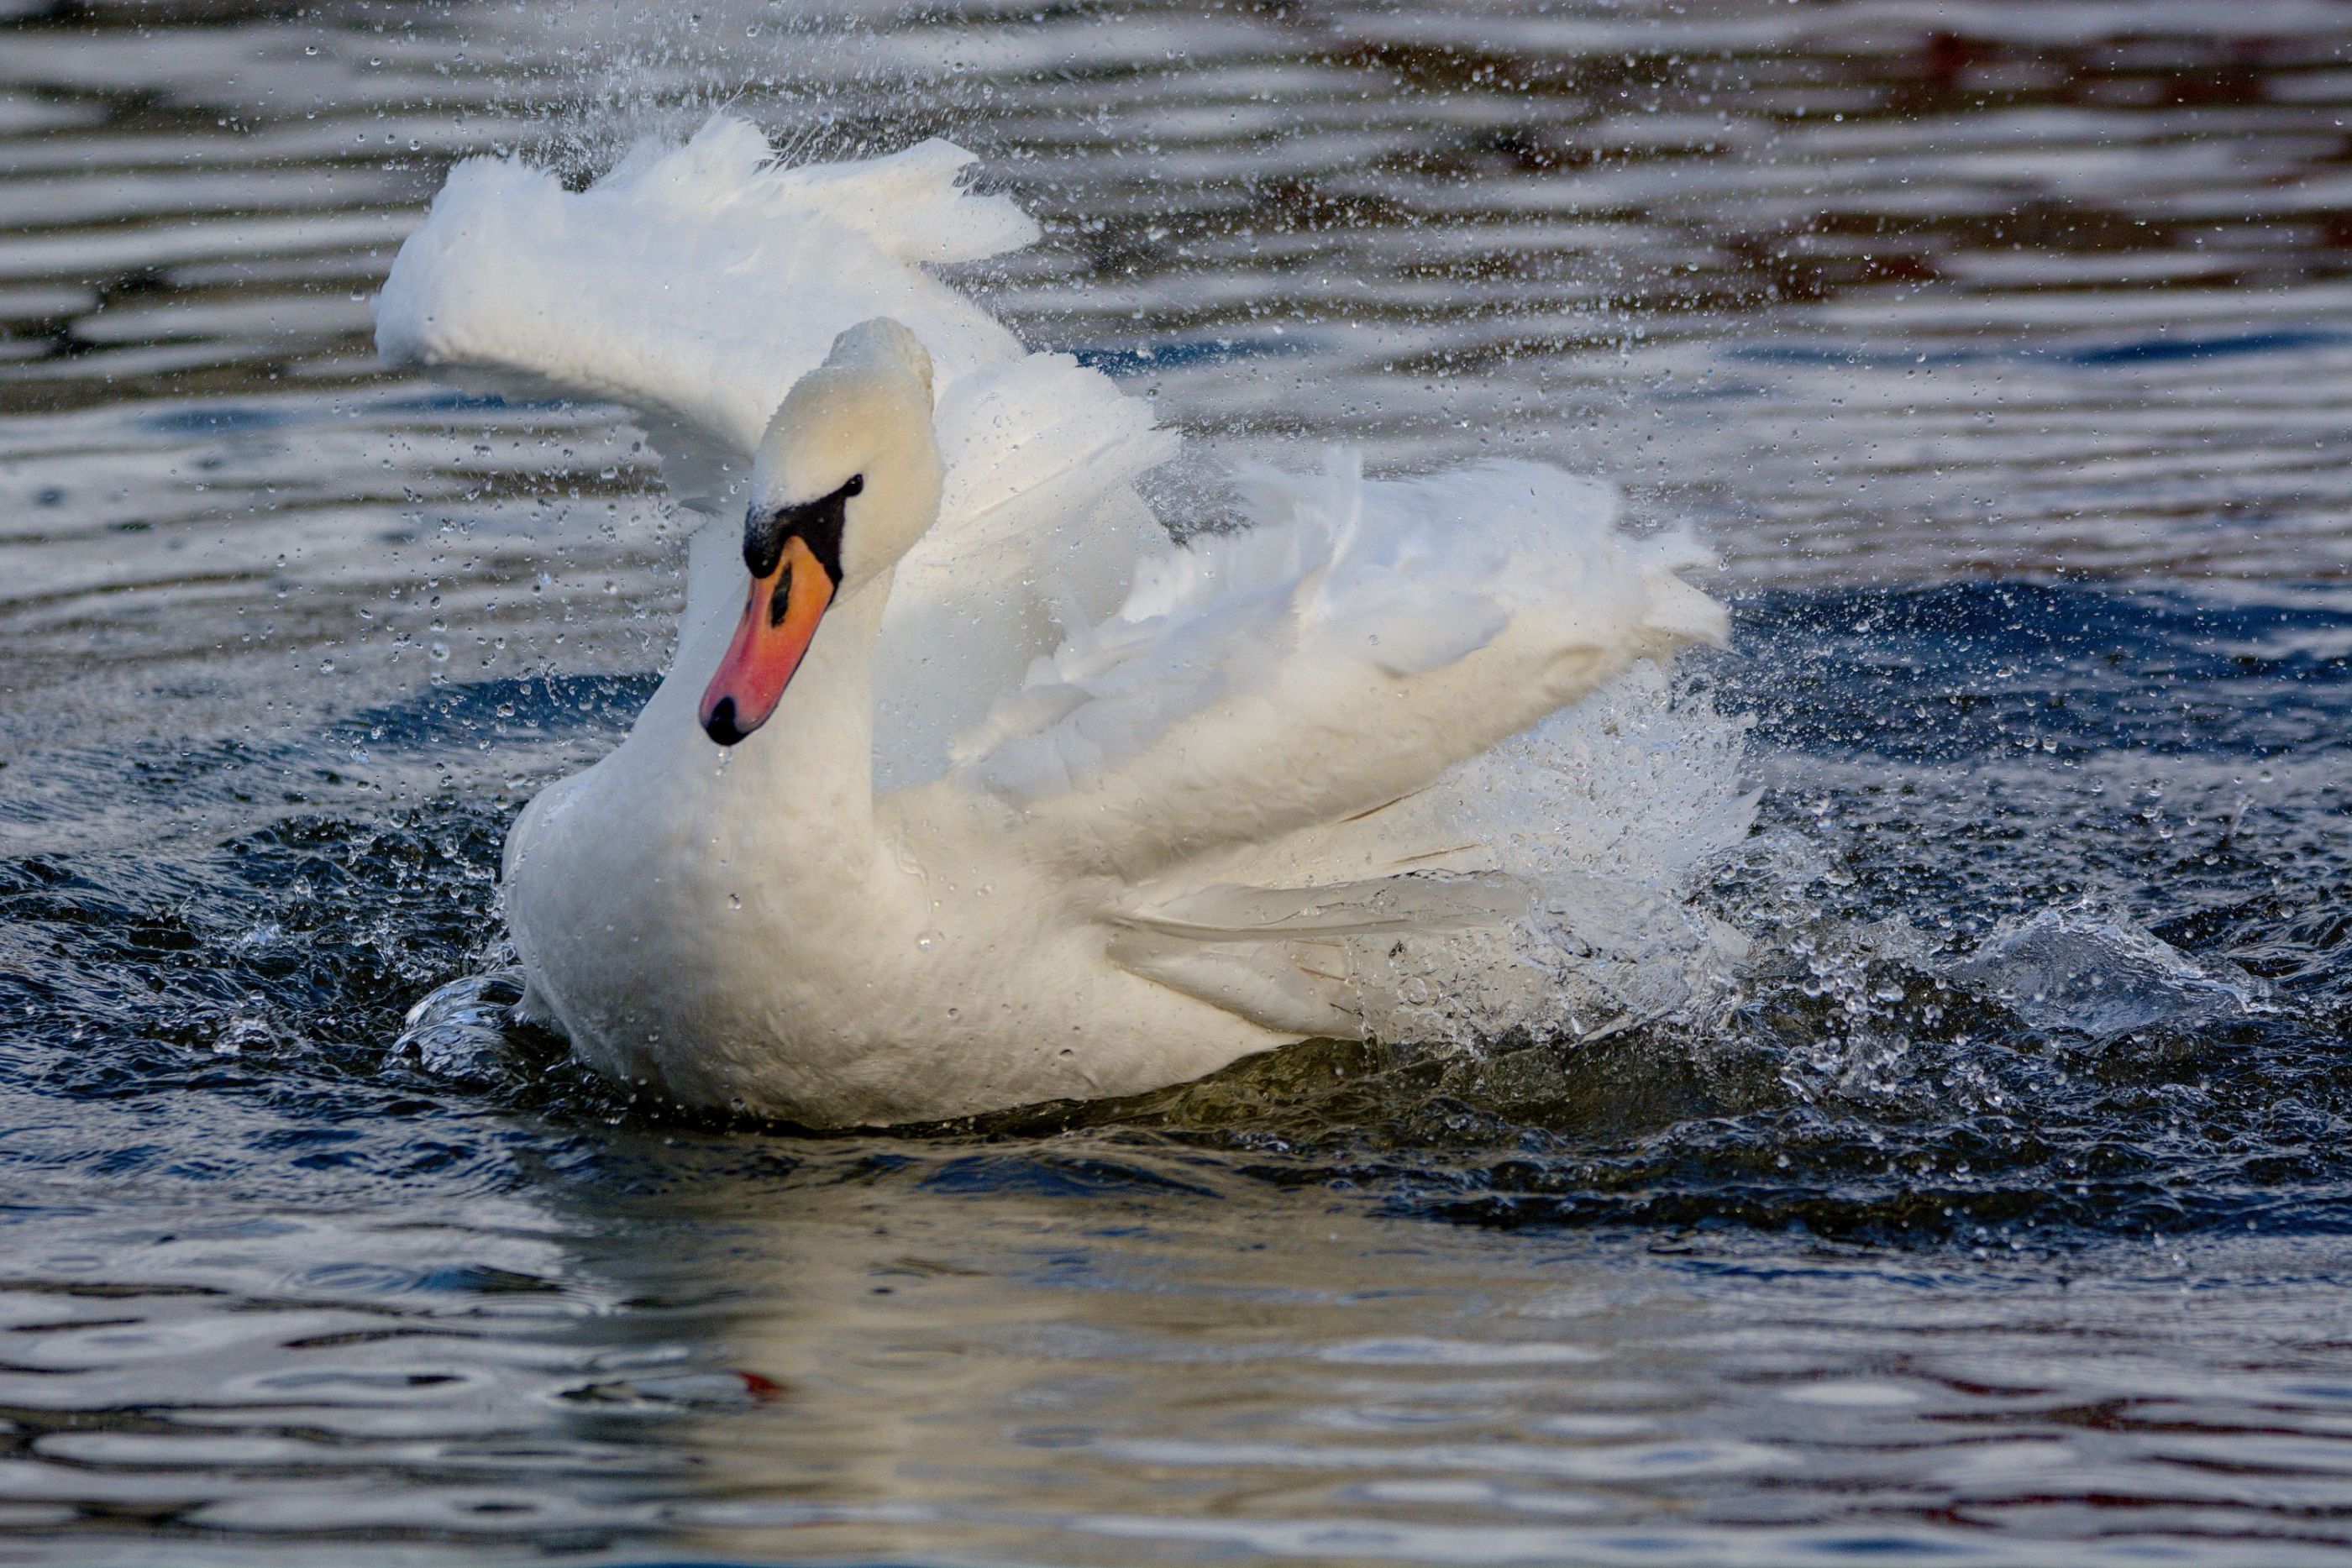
x=2001 y=348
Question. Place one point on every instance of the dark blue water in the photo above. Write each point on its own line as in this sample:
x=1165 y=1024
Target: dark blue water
x=2048 y=1007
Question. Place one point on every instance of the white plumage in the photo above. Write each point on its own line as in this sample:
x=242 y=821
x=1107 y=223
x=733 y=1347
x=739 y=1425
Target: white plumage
x=1051 y=808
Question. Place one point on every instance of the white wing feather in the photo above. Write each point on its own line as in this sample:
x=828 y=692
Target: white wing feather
x=1331 y=660
x=694 y=285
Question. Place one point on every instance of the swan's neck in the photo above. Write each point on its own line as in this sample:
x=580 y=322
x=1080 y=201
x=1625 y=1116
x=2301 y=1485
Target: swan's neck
x=811 y=766
x=805 y=778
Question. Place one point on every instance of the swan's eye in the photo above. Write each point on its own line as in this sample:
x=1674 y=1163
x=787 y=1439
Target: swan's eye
x=857 y=486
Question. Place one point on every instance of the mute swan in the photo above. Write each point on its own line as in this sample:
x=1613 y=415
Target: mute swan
x=965 y=787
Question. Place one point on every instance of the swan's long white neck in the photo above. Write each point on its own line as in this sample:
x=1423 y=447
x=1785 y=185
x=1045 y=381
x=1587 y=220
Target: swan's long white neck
x=794 y=798
x=803 y=781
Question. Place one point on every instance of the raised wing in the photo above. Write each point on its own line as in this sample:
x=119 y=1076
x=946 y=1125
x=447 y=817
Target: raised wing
x=1362 y=639
x=692 y=284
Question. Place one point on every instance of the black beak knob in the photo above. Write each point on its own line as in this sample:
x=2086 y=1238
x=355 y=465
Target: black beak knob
x=721 y=725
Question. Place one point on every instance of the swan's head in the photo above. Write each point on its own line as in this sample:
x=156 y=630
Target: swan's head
x=846 y=480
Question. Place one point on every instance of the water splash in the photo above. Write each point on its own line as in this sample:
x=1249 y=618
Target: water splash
x=1611 y=811
x=2092 y=971
x=463 y=1032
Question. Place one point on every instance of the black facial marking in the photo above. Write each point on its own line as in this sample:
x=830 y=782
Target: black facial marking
x=816 y=524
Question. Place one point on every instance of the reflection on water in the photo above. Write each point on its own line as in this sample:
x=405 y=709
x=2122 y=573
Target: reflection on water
x=1996 y=1213
x=907 y=1354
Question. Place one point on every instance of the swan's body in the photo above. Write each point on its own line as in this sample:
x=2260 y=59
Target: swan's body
x=1047 y=807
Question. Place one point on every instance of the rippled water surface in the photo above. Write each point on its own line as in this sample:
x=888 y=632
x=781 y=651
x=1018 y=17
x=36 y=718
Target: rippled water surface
x=1999 y=1214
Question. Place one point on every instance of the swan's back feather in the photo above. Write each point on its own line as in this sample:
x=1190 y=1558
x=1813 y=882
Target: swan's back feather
x=1033 y=448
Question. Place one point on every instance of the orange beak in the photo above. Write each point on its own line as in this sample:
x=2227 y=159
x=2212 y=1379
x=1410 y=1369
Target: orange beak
x=771 y=640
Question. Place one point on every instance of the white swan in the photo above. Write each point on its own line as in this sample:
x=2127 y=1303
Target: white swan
x=1011 y=800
